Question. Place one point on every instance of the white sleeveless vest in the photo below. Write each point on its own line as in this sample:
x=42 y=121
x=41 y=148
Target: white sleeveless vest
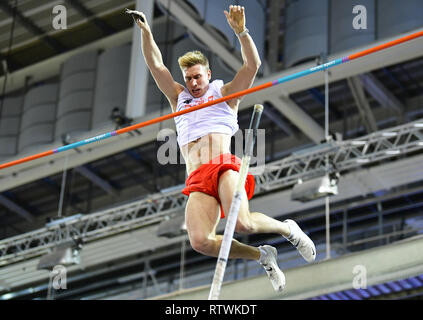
x=217 y=118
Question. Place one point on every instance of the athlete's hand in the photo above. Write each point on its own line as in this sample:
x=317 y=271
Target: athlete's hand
x=139 y=19
x=236 y=18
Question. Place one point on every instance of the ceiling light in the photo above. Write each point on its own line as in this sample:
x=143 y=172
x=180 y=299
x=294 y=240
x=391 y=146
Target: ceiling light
x=66 y=254
x=315 y=188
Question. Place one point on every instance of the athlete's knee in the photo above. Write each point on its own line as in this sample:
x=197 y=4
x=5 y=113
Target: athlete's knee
x=202 y=244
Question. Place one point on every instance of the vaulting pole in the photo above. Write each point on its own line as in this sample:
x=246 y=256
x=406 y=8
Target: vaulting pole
x=235 y=205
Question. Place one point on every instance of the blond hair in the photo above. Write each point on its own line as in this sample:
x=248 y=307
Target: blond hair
x=192 y=58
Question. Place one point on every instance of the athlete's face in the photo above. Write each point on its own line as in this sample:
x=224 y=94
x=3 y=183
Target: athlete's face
x=197 y=79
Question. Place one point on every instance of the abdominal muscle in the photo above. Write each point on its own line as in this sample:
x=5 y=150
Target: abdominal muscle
x=204 y=149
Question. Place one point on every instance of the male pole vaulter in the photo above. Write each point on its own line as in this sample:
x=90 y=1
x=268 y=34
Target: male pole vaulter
x=204 y=137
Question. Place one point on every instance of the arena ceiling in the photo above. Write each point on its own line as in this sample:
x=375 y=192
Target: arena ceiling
x=28 y=34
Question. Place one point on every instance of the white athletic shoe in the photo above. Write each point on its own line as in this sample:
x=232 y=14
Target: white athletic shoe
x=269 y=262
x=301 y=241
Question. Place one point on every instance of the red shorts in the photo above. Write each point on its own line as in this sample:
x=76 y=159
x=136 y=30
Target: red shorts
x=206 y=178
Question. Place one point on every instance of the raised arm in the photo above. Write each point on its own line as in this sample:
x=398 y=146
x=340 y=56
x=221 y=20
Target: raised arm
x=154 y=61
x=251 y=59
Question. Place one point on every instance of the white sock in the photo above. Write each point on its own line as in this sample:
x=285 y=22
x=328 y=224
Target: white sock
x=263 y=255
x=290 y=231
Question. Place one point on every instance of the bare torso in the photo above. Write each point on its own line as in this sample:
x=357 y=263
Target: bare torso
x=204 y=149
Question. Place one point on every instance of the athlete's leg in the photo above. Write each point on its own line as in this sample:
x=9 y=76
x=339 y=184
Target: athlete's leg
x=248 y=222
x=256 y=222
x=202 y=215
